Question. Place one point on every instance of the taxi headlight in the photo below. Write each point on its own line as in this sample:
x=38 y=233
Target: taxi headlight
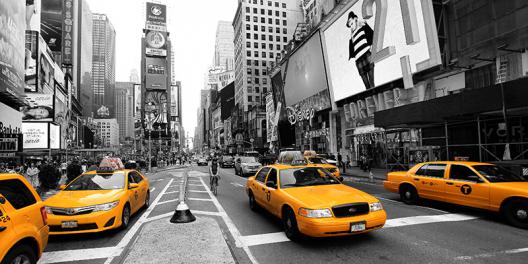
x=48 y=210
x=316 y=213
x=106 y=206
x=376 y=207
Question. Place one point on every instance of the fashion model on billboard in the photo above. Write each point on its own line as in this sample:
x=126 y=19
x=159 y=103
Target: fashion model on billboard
x=37 y=113
x=359 y=48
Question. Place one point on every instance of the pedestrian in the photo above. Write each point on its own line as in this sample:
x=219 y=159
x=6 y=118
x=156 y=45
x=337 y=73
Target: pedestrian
x=73 y=171
x=48 y=177
x=340 y=162
x=32 y=174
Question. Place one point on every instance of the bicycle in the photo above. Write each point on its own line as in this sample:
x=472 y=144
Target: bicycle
x=214 y=184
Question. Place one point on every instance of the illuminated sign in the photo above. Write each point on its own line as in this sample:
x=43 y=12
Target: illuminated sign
x=67 y=32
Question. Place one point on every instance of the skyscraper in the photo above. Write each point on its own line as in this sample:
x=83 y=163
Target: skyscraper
x=224 y=55
x=103 y=67
x=124 y=103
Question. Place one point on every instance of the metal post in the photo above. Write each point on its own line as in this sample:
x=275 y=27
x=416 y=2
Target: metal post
x=479 y=139
x=447 y=141
x=150 y=153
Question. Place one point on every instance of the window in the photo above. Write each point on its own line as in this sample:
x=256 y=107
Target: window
x=255 y=36
x=248 y=44
x=277 y=21
x=283 y=5
x=256 y=80
x=257 y=89
x=254 y=10
x=248 y=35
x=277 y=13
x=250 y=89
x=463 y=173
x=248 y=19
x=16 y=193
x=255 y=45
x=262 y=20
x=248 y=62
x=284 y=31
x=270 y=12
x=284 y=23
x=264 y=90
x=270 y=37
x=270 y=29
x=255 y=27
x=277 y=30
x=255 y=53
x=263 y=28
x=276 y=4
x=255 y=19
x=272 y=176
x=262 y=11
x=263 y=54
x=271 y=54
x=264 y=63
x=263 y=37
x=285 y=39
x=283 y=14
x=271 y=46
x=277 y=38
x=249 y=80
x=270 y=20
x=248 y=9
x=257 y=98
x=256 y=63
x=264 y=72
x=263 y=45
x=249 y=71
x=432 y=170
x=269 y=3
x=137 y=178
x=248 y=53
x=250 y=98
x=248 y=27
x=257 y=73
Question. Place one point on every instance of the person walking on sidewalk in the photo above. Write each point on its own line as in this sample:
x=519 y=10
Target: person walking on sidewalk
x=32 y=174
x=214 y=176
x=340 y=162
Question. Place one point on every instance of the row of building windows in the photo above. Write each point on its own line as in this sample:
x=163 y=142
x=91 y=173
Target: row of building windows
x=270 y=46
x=256 y=72
x=257 y=90
x=263 y=37
x=263 y=11
x=261 y=2
x=256 y=54
x=270 y=20
x=270 y=29
x=257 y=63
x=257 y=80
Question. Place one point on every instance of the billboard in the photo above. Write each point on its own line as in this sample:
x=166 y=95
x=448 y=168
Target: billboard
x=33 y=10
x=62 y=113
x=368 y=45
x=175 y=99
x=156 y=73
x=305 y=73
x=12 y=28
x=31 y=49
x=51 y=22
x=54 y=136
x=67 y=32
x=156 y=43
x=156 y=17
x=46 y=68
x=137 y=102
x=40 y=107
x=35 y=135
x=156 y=112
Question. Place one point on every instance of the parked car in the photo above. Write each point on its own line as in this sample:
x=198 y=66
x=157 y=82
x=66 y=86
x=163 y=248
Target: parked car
x=23 y=221
x=246 y=165
x=202 y=161
x=474 y=184
x=227 y=161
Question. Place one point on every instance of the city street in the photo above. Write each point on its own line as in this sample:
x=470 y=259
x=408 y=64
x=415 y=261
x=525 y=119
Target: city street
x=432 y=232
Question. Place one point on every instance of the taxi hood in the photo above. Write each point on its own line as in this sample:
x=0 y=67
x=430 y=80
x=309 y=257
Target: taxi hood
x=326 y=196
x=520 y=188
x=72 y=199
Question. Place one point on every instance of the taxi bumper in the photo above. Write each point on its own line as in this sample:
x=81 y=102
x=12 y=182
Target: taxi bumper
x=87 y=223
x=391 y=186
x=328 y=227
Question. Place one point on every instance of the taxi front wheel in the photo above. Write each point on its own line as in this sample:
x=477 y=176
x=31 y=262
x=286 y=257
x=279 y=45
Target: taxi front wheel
x=252 y=202
x=408 y=194
x=22 y=254
x=516 y=213
x=291 y=230
x=125 y=217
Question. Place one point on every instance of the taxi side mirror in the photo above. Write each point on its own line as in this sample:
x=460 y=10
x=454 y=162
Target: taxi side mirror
x=475 y=178
x=271 y=184
x=340 y=178
x=62 y=187
x=2 y=200
x=133 y=186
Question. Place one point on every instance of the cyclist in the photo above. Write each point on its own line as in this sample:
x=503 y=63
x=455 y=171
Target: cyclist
x=213 y=172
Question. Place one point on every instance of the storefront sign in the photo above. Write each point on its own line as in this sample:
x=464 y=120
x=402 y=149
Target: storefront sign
x=8 y=144
x=317 y=133
x=299 y=115
x=67 y=32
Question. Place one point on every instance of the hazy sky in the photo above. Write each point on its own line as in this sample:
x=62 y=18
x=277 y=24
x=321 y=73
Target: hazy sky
x=192 y=27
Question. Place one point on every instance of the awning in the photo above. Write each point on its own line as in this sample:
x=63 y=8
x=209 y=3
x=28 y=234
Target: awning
x=466 y=104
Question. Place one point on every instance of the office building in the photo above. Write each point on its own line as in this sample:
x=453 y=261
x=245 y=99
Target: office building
x=124 y=102
x=108 y=131
x=103 y=67
x=224 y=55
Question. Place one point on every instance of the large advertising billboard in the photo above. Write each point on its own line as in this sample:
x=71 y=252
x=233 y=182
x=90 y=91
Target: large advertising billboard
x=156 y=73
x=33 y=10
x=62 y=113
x=137 y=103
x=175 y=100
x=12 y=28
x=54 y=136
x=305 y=73
x=156 y=17
x=36 y=135
x=375 y=42
x=51 y=17
x=156 y=43
x=31 y=49
x=156 y=112
x=46 y=68
x=40 y=107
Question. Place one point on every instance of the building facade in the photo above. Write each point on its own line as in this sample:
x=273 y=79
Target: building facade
x=124 y=102
x=224 y=54
x=103 y=69
x=108 y=132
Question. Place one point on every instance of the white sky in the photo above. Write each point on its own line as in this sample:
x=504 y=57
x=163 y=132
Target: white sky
x=192 y=27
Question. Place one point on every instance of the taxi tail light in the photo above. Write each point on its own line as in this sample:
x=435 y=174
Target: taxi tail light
x=44 y=215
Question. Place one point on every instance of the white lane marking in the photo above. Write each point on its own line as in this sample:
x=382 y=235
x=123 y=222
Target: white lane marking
x=236 y=184
x=172 y=192
x=210 y=213
x=418 y=206
x=152 y=189
x=230 y=225
x=168 y=201
x=199 y=199
x=427 y=219
x=157 y=180
x=195 y=191
x=77 y=255
x=194 y=184
x=100 y=253
x=493 y=254
x=262 y=239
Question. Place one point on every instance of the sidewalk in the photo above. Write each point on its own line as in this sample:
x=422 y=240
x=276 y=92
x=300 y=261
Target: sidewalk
x=379 y=174
x=160 y=241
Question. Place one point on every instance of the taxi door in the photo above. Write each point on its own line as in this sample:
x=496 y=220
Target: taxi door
x=7 y=232
x=133 y=194
x=142 y=189
x=465 y=187
x=271 y=192
x=259 y=187
x=430 y=180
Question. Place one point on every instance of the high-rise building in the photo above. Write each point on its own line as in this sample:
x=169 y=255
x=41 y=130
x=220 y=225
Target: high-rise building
x=83 y=55
x=262 y=29
x=224 y=55
x=103 y=67
x=108 y=132
x=124 y=103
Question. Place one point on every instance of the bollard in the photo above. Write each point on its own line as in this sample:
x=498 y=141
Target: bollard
x=371 y=176
x=182 y=214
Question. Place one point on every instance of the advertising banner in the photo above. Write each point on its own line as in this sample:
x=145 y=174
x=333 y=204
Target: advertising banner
x=62 y=114
x=156 y=75
x=137 y=102
x=12 y=28
x=156 y=43
x=54 y=135
x=46 y=68
x=67 y=32
x=40 y=107
x=270 y=117
x=36 y=135
x=156 y=17
x=10 y=130
x=367 y=47
x=175 y=94
x=52 y=24
x=33 y=10
x=31 y=62
x=305 y=75
x=156 y=112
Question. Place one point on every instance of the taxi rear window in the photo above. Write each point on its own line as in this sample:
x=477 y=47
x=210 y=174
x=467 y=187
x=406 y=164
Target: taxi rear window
x=16 y=193
x=432 y=170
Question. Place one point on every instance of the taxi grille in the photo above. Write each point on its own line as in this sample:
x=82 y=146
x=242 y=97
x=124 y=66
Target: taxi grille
x=73 y=211
x=348 y=210
x=80 y=227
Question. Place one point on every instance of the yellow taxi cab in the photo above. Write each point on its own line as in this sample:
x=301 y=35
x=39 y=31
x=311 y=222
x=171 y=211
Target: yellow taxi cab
x=312 y=158
x=473 y=184
x=97 y=201
x=23 y=221
x=311 y=201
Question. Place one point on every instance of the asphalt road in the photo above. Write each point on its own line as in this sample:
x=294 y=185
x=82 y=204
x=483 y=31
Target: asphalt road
x=429 y=233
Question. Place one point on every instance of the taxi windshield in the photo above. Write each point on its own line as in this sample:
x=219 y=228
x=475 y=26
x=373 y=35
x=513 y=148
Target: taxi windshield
x=101 y=181
x=497 y=174
x=306 y=177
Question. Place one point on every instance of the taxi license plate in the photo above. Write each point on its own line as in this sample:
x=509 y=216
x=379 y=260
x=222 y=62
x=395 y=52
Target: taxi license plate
x=357 y=227
x=69 y=224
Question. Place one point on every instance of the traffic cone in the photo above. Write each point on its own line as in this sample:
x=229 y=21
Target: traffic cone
x=182 y=214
